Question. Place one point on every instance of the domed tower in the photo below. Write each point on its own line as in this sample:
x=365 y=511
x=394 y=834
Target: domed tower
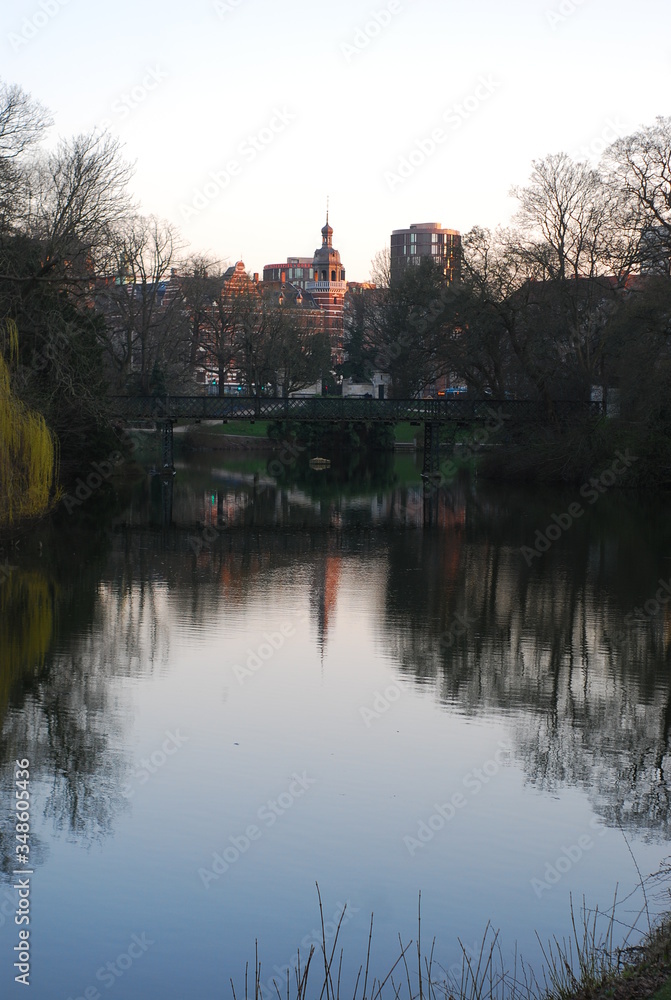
x=328 y=288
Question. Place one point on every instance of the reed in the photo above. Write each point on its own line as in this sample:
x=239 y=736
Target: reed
x=586 y=964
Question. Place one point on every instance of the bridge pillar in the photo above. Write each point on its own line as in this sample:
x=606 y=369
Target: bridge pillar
x=430 y=468
x=167 y=450
x=430 y=509
x=167 y=492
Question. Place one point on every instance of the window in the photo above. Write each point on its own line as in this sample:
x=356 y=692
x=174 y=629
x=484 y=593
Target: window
x=333 y=276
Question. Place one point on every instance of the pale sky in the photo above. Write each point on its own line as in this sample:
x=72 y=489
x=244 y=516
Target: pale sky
x=286 y=103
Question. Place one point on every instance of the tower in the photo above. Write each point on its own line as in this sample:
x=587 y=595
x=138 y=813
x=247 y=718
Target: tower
x=328 y=287
x=426 y=239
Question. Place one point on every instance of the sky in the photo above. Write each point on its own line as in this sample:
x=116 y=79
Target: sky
x=243 y=116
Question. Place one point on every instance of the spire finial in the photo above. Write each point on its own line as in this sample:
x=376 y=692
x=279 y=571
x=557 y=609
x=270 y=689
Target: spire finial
x=327 y=210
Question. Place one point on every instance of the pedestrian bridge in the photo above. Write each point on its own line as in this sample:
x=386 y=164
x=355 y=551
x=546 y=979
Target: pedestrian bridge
x=462 y=409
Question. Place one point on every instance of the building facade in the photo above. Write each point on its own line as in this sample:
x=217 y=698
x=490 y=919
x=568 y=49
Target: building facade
x=328 y=289
x=297 y=271
x=322 y=278
x=426 y=239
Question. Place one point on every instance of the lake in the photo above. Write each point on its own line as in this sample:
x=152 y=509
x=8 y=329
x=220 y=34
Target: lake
x=228 y=690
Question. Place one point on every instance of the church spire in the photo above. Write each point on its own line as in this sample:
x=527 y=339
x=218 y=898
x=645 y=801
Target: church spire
x=327 y=231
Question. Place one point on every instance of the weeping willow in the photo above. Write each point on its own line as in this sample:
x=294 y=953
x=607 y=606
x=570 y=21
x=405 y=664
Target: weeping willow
x=28 y=449
x=26 y=628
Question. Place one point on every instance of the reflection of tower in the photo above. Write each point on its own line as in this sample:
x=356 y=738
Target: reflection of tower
x=328 y=288
x=325 y=596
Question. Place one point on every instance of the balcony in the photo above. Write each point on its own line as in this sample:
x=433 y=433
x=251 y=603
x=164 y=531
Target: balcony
x=326 y=286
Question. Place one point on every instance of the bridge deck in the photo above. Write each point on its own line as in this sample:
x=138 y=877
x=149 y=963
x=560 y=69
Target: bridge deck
x=339 y=408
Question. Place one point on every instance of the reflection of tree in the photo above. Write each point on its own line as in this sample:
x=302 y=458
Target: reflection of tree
x=537 y=644
x=54 y=702
x=541 y=644
x=26 y=627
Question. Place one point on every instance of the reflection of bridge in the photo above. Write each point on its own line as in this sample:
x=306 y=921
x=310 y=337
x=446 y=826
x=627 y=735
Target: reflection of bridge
x=336 y=409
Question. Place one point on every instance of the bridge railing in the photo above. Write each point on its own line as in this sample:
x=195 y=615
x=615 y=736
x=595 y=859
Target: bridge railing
x=340 y=408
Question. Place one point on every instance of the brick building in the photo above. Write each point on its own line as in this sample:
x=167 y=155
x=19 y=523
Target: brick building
x=322 y=278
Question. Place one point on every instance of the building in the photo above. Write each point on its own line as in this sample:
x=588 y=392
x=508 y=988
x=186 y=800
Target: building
x=328 y=289
x=322 y=278
x=426 y=239
x=297 y=271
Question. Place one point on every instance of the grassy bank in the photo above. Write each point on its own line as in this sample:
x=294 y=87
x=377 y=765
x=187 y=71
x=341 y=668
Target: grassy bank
x=235 y=428
x=404 y=433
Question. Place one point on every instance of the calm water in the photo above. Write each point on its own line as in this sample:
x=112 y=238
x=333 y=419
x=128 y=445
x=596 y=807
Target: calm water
x=230 y=690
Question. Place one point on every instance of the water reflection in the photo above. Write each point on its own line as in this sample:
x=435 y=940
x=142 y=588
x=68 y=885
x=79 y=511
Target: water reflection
x=462 y=618
x=54 y=689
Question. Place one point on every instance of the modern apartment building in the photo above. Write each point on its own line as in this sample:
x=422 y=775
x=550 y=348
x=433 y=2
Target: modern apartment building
x=426 y=239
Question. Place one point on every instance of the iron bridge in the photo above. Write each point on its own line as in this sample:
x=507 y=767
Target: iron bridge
x=166 y=410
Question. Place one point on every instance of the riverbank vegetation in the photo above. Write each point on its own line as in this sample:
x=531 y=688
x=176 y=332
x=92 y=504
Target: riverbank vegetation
x=28 y=449
x=602 y=960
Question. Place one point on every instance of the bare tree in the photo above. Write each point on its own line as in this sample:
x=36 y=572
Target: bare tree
x=201 y=282
x=576 y=242
x=380 y=268
x=147 y=321
x=569 y=219
x=640 y=166
x=78 y=198
x=23 y=121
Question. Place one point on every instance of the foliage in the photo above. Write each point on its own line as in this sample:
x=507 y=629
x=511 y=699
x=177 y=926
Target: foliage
x=330 y=439
x=28 y=450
